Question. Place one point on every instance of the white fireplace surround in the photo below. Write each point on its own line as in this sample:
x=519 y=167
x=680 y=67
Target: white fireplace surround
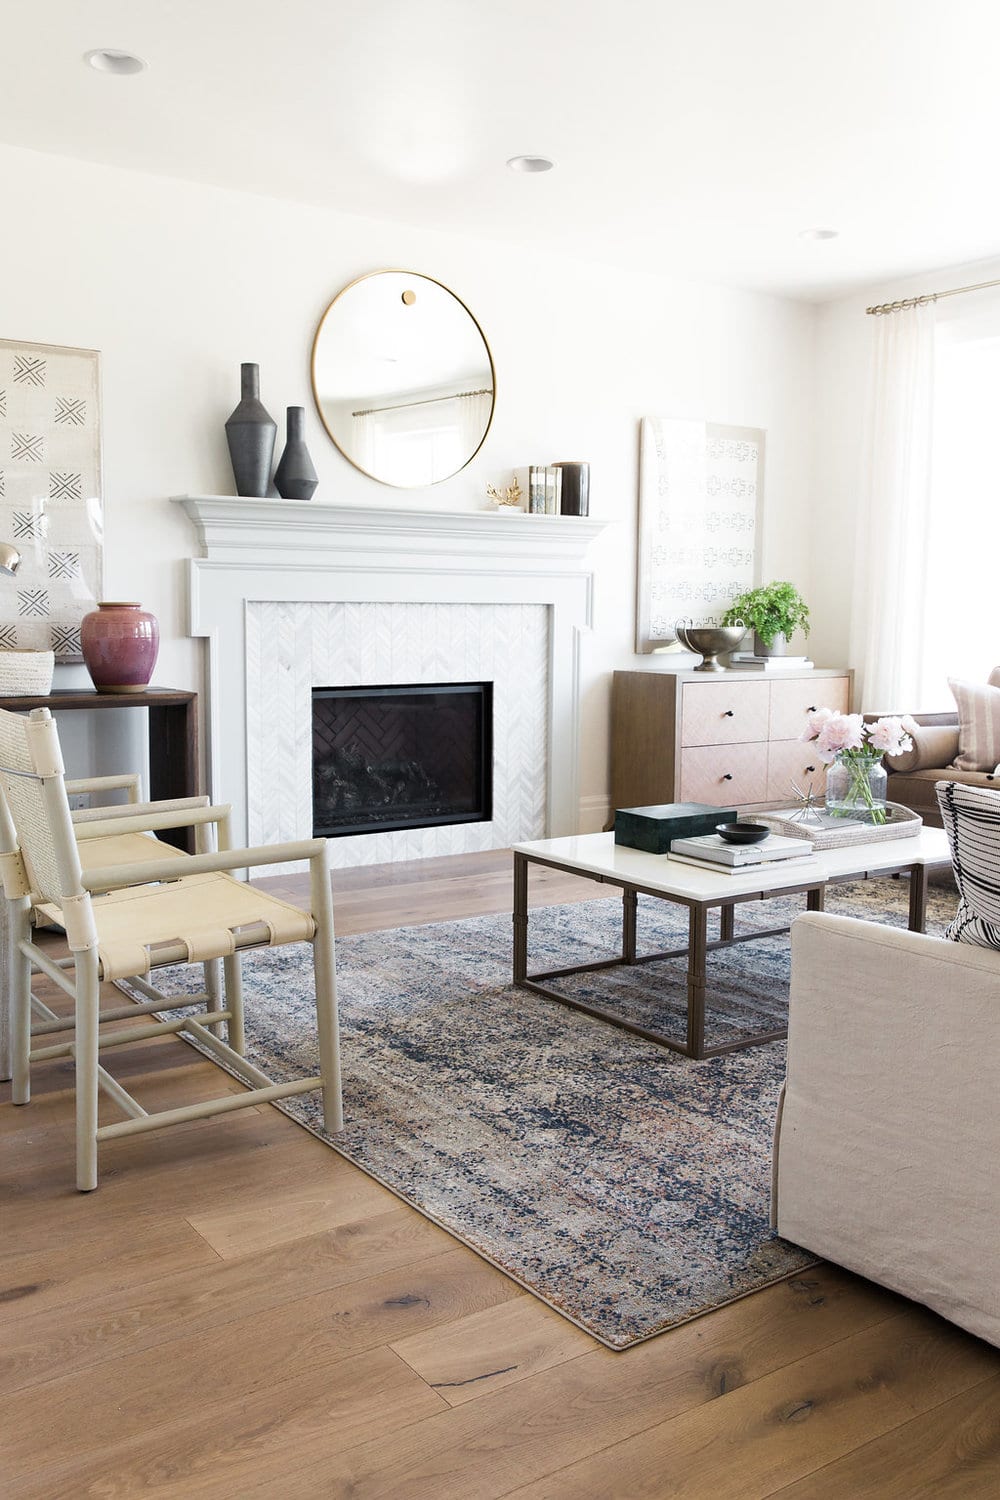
x=294 y=647
x=275 y=574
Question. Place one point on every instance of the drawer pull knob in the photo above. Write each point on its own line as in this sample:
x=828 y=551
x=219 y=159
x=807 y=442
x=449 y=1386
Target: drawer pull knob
x=728 y=714
x=810 y=768
x=727 y=776
x=811 y=709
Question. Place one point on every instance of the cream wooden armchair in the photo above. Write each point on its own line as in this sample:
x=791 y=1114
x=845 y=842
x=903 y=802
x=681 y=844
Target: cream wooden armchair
x=122 y=842
x=125 y=919
x=129 y=836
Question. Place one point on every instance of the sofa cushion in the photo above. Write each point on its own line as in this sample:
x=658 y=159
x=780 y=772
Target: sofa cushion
x=917 y=790
x=978 y=723
x=971 y=819
x=934 y=746
x=933 y=777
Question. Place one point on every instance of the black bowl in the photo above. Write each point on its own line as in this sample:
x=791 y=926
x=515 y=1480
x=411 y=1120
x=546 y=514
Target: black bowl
x=742 y=833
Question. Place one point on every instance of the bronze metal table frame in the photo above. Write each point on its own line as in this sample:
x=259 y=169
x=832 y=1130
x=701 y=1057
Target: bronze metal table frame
x=698 y=946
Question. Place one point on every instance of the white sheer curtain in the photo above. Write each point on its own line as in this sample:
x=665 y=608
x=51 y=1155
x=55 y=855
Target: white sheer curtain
x=422 y=441
x=364 y=444
x=962 y=565
x=894 y=513
x=473 y=414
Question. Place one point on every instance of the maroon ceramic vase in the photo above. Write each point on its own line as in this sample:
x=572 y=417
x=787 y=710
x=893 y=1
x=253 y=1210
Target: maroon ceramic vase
x=119 y=644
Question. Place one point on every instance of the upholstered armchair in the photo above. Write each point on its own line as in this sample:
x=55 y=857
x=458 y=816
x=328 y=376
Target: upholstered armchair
x=888 y=1135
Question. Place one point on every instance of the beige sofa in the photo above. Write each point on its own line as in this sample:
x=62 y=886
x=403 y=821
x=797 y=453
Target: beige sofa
x=888 y=1134
x=913 y=776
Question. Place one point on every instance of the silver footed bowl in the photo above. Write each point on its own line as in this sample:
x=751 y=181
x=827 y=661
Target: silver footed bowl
x=708 y=641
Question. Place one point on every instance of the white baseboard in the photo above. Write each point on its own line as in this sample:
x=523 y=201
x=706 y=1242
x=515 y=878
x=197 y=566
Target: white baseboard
x=594 y=814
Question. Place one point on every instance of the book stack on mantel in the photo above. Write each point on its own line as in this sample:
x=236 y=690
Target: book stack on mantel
x=712 y=852
x=746 y=661
x=544 y=489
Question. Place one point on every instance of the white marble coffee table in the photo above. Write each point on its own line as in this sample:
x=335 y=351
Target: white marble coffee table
x=597 y=856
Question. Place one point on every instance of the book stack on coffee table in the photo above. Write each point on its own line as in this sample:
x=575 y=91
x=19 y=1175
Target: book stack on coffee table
x=712 y=852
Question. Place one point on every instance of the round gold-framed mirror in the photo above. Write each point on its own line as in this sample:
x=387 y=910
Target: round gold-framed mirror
x=403 y=378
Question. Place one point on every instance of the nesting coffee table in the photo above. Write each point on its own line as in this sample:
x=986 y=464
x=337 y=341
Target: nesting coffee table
x=598 y=857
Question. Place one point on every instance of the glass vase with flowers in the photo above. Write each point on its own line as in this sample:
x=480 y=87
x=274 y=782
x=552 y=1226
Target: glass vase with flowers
x=856 y=781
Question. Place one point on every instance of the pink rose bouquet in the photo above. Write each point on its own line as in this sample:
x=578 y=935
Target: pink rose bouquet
x=857 y=745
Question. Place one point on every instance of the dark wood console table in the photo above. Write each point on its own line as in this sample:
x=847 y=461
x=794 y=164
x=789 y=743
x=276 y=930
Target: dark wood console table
x=173 y=736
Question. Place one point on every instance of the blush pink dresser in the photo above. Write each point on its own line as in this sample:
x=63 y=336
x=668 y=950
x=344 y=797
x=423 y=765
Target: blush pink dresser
x=730 y=739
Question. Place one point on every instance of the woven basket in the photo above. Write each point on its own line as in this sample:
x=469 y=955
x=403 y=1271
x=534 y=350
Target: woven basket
x=901 y=823
x=26 y=674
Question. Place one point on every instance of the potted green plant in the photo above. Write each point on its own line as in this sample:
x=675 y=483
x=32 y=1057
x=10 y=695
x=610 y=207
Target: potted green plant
x=774 y=611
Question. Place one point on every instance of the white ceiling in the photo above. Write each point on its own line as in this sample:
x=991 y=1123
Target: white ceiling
x=694 y=136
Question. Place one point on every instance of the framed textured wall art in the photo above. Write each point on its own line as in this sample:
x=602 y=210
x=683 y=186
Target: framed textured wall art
x=701 y=492
x=50 y=494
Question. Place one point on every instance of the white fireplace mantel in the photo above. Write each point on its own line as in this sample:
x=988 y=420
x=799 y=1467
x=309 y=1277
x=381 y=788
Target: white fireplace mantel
x=258 y=551
x=230 y=527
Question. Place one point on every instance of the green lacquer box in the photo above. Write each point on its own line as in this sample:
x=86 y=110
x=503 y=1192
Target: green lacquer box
x=653 y=828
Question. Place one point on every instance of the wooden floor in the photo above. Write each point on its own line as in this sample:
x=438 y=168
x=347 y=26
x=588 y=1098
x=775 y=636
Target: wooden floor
x=238 y=1312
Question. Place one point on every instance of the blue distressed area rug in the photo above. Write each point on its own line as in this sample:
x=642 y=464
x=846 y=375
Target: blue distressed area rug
x=626 y=1186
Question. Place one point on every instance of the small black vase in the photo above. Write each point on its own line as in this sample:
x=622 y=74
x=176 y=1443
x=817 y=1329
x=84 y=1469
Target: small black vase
x=295 y=478
x=250 y=433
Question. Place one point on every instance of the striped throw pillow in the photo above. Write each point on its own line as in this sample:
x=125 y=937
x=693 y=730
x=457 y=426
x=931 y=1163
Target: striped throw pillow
x=971 y=818
x=978 y=724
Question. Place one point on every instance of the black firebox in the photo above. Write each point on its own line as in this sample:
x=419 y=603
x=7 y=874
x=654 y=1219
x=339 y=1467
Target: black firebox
x=414 y=756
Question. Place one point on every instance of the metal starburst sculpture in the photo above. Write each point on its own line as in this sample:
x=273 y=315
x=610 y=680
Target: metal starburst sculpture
x=810 y=805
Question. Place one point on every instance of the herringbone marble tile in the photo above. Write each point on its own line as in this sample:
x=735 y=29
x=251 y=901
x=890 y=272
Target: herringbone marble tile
x=294 y=647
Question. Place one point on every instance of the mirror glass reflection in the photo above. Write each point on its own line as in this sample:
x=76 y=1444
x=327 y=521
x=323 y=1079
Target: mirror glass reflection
x=403 y=378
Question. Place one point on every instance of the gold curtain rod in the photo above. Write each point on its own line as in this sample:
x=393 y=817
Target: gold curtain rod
x=430 y=401
x=957 y=291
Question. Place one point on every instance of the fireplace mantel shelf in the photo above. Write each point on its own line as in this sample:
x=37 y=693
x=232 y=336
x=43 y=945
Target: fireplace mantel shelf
x=228 y=524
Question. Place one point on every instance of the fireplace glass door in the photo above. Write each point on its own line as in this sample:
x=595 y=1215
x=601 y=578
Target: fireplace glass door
x=401 y=757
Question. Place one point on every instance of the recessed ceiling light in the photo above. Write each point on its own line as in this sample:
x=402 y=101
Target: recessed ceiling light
x=112 y=60
x=530 y=164
x=818 y=234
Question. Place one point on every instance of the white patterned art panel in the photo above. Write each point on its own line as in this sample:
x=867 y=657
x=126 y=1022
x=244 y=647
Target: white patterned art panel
x=700 y=504
x=50 y=494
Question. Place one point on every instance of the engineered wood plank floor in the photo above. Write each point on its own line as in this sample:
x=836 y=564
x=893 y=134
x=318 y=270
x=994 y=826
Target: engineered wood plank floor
x=239 y=1312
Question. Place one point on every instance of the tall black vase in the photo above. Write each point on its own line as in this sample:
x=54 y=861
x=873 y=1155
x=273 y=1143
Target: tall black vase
x=250 y=433
x=295 y=478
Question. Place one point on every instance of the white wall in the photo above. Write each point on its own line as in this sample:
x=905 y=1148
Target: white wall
x=178 y=283
x=843 y=343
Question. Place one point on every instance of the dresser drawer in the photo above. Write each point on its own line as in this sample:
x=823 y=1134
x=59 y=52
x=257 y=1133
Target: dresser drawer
x=790 y=763
x=724 y=713
x=724 y=775
x=791 y=702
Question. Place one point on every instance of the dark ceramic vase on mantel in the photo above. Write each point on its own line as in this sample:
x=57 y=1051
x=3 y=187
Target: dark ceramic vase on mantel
x=295 y=478
x=250 y=433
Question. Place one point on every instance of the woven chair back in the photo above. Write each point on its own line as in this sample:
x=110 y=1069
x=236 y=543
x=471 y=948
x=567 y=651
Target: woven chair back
x=33 y=787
